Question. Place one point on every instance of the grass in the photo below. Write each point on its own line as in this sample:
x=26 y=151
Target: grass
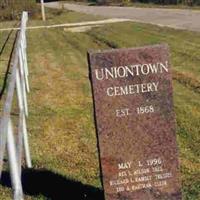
x=61 y=126
x=12 y=9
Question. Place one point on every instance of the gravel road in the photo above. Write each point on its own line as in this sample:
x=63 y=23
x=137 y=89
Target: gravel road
x=175 y=18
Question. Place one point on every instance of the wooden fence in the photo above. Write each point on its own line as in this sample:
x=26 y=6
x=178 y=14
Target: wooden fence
x=16 y=143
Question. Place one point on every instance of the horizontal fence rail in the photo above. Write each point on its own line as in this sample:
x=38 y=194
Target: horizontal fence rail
x=17 y=142
x=71 y=25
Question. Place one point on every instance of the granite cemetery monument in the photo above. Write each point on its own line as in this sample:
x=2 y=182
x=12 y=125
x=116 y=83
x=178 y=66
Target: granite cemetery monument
x=132 y=92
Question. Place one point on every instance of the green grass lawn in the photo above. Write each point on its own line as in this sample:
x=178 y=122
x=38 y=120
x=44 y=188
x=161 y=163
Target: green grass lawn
x=61 y=126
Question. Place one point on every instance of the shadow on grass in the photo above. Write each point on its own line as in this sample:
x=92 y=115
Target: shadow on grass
x=5 y=79
x=53 y=186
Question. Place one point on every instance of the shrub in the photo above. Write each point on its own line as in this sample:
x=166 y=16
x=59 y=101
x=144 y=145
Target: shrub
x=12 y=9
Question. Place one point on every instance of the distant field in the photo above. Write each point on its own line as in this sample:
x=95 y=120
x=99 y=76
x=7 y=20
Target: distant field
x=61 y=127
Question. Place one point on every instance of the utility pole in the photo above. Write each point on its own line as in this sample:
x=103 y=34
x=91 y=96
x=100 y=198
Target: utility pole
x=42 y=10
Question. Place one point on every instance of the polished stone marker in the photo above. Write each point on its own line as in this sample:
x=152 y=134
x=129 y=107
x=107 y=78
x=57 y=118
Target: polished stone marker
x=132 y=92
